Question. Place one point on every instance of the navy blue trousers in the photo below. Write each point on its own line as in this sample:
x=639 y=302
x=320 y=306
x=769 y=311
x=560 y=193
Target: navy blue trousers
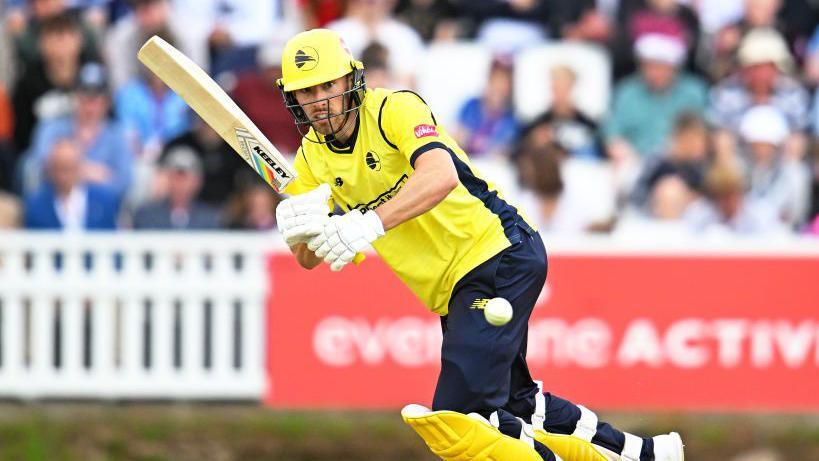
x=483 y=367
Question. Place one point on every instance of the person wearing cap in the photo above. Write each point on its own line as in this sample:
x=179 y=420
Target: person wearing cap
x=409 y=191
x=107 y=156
x=645 y=105
x=763 y=78
x=180 y=209
x=774 y=179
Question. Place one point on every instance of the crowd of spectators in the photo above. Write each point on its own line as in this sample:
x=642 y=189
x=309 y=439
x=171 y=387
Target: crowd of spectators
x=712 y=127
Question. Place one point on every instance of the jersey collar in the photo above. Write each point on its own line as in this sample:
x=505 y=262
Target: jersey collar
x=346 y=148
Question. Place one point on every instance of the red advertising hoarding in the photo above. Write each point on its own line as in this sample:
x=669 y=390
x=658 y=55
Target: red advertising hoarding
x=610 y=332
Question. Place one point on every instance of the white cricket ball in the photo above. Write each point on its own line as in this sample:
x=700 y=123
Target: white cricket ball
x=498 y=311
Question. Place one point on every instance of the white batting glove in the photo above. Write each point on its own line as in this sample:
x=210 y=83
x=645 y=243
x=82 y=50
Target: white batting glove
x=303 y=216
x=345 y=236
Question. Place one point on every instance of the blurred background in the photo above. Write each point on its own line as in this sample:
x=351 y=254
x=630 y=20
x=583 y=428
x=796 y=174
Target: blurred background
x=667 y=149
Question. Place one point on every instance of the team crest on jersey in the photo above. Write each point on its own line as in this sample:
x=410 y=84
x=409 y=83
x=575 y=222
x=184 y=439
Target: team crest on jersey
x=373 y=161
x=307 y=58
x=422 y=131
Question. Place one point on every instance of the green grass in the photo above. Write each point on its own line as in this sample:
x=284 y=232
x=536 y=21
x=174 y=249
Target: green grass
x=177 y=432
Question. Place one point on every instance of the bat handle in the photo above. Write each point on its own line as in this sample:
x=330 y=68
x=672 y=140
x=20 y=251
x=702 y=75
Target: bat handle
x=359 y=258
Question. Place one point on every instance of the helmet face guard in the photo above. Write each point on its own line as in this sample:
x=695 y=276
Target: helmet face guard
x=351 y=102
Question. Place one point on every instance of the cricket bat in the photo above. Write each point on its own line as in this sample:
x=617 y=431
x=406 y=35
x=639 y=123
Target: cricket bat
x=218 y=110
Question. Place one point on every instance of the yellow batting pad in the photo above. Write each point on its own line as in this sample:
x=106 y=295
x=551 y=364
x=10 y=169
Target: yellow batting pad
x=572 y=448
x=457 y=437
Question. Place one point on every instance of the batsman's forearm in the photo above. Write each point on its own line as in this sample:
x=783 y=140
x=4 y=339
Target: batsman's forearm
x=306 y=258
x=431 y=182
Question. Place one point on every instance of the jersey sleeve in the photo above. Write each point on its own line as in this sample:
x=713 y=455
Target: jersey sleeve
x=305 y=181
x=407 y=124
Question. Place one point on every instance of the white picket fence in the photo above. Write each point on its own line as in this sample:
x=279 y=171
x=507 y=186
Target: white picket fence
x=133 y=315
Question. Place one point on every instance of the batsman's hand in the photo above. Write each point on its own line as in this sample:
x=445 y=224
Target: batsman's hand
x=302 y=217
x=344 y=236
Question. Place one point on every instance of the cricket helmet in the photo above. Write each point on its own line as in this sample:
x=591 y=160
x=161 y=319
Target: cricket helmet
x=314 y=57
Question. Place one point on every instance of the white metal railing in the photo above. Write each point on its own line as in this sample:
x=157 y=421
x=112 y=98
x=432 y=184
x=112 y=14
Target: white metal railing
x=133 y=315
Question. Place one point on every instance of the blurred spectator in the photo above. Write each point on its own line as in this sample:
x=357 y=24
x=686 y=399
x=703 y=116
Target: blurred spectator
x=684 y=158
x=222 y=169
x=762 y=79
x=181 y=210
x=319 y=13
x=7 y=157
x=150 y=112
x=367 y=21
x=564 y=122
x=107 y=157
x=67 y=202
x=7 y=64
x=432 y=19
x=714 y=16
x=27 y=39
x=11 y=211
x=812 y=64
x=227 y=26
x=486 y=124
x=572 y=195
x=813 y=215
x=507 y=26
x=256 y=93
x=731 y=212
x=578 y=20
x=93 y=11
x=666 y=215
x=639 y=18
x=794 y=19
x=254 y=208
x=44 y=89
x=780 y=183
x=125 y=38
x=376 y=62
x=645 y=105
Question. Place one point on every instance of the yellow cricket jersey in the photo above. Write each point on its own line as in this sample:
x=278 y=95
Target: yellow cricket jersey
x=431 y=252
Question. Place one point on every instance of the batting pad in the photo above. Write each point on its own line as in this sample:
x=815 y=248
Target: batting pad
x=457 y=437
x=573 y=448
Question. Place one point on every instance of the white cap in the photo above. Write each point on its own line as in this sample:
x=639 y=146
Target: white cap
x=765 y=45
x=660 y=47
x=764 y=124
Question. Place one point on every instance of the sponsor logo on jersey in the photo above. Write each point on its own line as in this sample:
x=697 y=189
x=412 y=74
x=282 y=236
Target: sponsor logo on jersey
x=422 y=131
x=382 y=198
x=306 y=58
x=373 y=161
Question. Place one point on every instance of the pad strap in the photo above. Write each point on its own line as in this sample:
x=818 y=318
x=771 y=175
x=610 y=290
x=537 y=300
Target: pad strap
x=586 y=425
x=632 y=448
x=539 y=417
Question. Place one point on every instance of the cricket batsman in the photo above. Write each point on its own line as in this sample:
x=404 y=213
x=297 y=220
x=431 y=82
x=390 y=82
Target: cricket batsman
x=411 y=193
